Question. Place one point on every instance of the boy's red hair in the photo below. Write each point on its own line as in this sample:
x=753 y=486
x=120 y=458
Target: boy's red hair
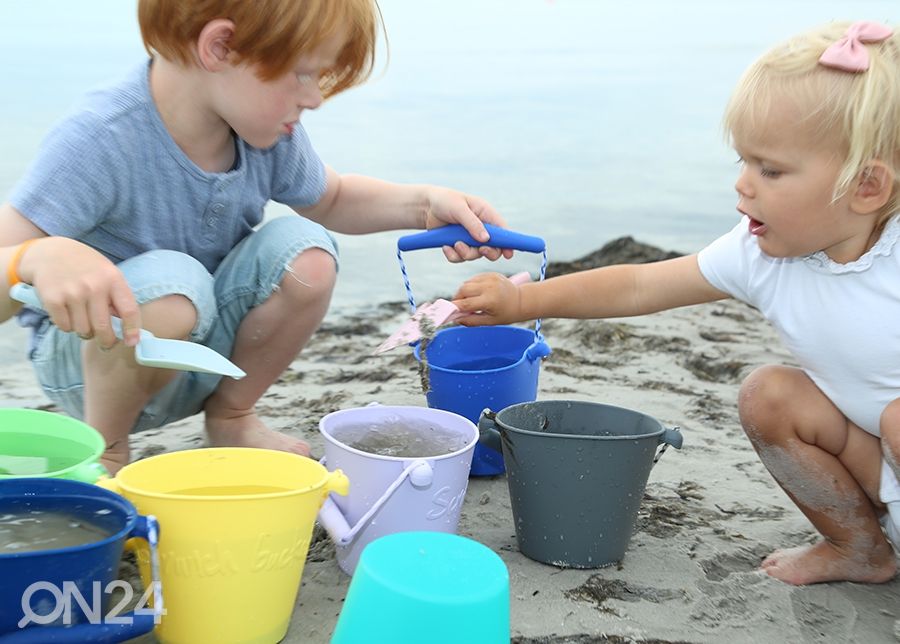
x=270 y=34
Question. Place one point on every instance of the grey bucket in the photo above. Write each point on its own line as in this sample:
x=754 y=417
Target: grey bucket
x=576 y=473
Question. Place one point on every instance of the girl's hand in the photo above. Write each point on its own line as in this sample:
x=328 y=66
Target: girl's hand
x=447 y=206
x=490 y=298
x=80 y=288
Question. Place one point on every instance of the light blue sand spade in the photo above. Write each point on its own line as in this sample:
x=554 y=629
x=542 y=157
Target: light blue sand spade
x=152 y=351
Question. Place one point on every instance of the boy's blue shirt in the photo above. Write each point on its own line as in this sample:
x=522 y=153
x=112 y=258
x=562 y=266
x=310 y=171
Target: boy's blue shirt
x=111 y=176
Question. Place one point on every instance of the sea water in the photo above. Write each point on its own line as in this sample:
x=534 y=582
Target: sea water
x=489 y=363
x=11 y=465
x=399 y=437
x=230 y=490
x=24 y=530
x=29 y=454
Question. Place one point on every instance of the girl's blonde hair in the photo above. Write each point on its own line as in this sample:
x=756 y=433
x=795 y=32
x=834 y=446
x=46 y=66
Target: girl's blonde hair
x=857 y=111
x=270 y=34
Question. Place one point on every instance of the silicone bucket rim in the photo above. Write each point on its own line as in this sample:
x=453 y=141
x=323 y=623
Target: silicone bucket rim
x=89 y=491
x=530 y=432
x=441 y=412
x=492 y=329
x=87 y=432
x=123 y=484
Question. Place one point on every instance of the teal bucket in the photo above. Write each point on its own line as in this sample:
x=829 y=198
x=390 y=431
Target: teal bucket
x=430 y=587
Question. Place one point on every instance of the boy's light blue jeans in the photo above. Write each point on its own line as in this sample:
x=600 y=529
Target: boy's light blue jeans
x=245 y=279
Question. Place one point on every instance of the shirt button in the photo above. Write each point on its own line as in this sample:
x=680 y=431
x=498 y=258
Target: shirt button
x=217 y=208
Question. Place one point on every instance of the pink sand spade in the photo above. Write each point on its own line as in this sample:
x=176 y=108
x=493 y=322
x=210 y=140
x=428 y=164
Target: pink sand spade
x=434 y=315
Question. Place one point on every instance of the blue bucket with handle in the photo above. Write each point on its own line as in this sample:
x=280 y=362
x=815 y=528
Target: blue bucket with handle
x=61 y=595
x=473 y=368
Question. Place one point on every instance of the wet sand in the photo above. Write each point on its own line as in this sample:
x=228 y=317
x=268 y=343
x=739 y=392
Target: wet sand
x=710 y=512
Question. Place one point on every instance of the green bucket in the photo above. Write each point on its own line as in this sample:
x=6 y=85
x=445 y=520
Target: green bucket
x=36 y=443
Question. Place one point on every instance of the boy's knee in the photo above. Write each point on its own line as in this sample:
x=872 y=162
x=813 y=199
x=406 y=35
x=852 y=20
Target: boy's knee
x=175 y=292
x=170 y=316
x=311 y=274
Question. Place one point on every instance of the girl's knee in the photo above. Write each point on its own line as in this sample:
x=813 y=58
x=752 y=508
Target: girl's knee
x=765 y=395
x=765 y=386
x=890 y=419
x=890 y=434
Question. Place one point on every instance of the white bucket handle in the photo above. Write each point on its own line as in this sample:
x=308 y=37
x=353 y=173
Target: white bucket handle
x=420 y=473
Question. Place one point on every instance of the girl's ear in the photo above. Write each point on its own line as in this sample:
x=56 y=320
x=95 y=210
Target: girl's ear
x=873 y=188
x=212 y=44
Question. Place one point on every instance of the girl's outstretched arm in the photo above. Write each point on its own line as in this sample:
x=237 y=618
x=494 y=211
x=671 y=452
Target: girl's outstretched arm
x=611 y=291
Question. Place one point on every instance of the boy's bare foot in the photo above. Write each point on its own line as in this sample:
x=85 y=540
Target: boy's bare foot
x=249 y=431
x=824 y=562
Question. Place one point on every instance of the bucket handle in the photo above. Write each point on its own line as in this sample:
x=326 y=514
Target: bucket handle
x=537 y=349
x=452 y=233
x=420 y=473
x=449 y=235
x=489 y=435
x=125 y=627
x=671 y=436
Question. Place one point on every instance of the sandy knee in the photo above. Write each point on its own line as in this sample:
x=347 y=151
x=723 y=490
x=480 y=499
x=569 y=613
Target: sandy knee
x=763 y=397
x=890 y=433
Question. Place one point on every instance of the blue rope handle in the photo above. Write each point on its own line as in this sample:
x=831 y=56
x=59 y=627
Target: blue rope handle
x=449 y=235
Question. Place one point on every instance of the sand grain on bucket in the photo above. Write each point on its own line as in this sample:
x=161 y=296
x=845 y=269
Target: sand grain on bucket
x=428 y=330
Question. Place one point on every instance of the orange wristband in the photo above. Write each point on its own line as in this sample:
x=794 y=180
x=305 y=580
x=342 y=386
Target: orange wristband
x=12 y=269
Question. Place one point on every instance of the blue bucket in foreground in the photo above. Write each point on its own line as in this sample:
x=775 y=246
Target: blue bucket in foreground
x=474 y=368
x=39 y=592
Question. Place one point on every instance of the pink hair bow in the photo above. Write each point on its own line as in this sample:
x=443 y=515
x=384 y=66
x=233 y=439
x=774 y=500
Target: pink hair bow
x=849 y=53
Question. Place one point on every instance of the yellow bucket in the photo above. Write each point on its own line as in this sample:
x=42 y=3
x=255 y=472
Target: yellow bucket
x=235 y=526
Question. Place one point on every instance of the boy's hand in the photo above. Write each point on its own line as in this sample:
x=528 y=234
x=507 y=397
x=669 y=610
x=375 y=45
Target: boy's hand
x=80 y=288
x=490 y=298
x=447 y=206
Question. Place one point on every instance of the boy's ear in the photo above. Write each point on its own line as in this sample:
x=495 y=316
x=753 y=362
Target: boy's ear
x=212 y=44
x=873 y=188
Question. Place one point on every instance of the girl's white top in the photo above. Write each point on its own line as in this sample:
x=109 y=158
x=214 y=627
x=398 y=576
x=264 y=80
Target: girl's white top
x=841 y=322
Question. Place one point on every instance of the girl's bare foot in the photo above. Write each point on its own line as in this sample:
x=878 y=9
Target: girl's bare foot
x=249 y=431
x=824 y=562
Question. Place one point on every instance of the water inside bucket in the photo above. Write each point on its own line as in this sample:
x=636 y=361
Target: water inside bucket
x=25 y=454
x=33 y=530
x=488 y=363
x=402 y=438
x=230 y=490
